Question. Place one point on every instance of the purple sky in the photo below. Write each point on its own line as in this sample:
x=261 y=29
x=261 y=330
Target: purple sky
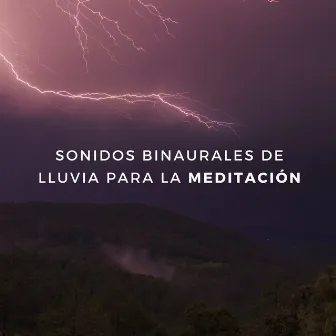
x=270 y=66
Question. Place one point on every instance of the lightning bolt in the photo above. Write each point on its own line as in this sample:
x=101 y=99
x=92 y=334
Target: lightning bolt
x=82 y=13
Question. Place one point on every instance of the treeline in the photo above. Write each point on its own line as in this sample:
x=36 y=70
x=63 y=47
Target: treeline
x=311 y=311
x=49 y=296
x=45 y=296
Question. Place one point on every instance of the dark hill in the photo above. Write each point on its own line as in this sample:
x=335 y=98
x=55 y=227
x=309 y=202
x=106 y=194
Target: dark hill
x=162 y=232
x=206 y=261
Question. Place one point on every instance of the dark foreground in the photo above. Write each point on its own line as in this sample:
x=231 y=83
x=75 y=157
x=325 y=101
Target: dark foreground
x=79 y=269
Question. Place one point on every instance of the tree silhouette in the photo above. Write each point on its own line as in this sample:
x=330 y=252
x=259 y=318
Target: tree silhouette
x=206 y=321
x=75 y=313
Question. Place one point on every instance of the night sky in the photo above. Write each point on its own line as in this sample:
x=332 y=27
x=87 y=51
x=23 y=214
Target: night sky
x=270 y=67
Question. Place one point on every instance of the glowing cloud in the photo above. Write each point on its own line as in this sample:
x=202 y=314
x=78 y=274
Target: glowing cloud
x=82 y=14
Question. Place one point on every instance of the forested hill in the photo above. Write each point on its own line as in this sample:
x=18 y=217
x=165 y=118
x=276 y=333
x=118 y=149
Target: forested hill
x=153 y=262
x=179 y=240
x=162 y=232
